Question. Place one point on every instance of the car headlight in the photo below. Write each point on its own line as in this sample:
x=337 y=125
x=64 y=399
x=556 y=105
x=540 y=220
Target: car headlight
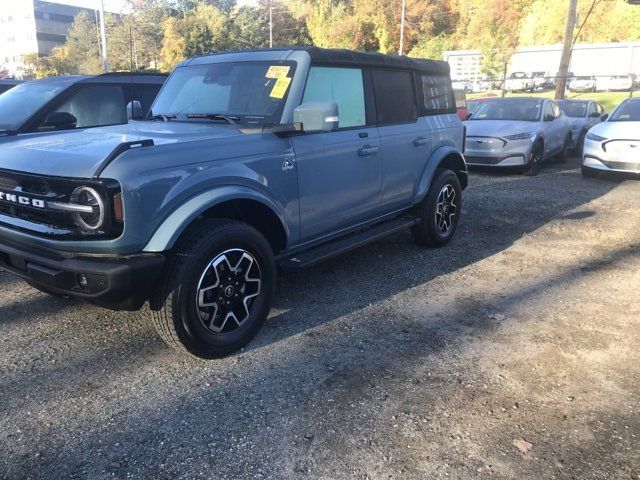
x=594 y=137
x=89 y=214
x=521 y=136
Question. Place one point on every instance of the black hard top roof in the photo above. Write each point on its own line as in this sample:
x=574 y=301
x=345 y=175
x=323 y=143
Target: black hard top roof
x=127 y=77
x=334 y=56
x=374 y=59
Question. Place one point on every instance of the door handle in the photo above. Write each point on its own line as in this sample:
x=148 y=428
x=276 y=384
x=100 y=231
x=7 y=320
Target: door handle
x=418 y=142
x=367 y=150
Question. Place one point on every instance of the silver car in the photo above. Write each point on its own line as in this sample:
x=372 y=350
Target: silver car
x=517 y=132
x=583 y=114
x=614 y=145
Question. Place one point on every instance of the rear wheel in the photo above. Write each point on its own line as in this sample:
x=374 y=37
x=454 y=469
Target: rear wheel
x=439 y=211
x=216 y=290
x=535 y=160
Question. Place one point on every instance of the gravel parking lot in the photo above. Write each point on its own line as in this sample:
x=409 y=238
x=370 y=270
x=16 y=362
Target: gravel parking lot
x=511 y=353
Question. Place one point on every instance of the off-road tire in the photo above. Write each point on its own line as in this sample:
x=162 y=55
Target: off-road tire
x=427 y=232
x=174 y=307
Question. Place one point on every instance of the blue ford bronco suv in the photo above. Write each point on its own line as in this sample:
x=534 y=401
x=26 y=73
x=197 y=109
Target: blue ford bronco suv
x=248 y=161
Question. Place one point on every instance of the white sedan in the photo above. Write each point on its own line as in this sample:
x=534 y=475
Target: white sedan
x=614 y=145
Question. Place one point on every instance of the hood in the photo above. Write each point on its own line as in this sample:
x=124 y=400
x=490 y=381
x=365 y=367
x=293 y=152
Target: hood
x=498 y=128
x=617 y=130
x=80 y=153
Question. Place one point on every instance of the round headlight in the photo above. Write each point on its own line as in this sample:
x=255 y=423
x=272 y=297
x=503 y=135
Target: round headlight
x=92 y=219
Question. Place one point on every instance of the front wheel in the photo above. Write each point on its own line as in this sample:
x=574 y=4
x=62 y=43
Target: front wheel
x=535 y=160
x=563 y=157
x=440 y=211
x=216 y=290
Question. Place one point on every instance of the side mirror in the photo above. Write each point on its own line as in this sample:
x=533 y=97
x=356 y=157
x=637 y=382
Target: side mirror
x=549 y=117
x=594 y=115
x=604 y=116
x=60 y=121
x=134 y=110
x=469 y=115
x=316 y=116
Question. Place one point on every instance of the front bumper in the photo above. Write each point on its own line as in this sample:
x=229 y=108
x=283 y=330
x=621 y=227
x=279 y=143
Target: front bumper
x=483 y=151
x=118 y=283
x=597 y=158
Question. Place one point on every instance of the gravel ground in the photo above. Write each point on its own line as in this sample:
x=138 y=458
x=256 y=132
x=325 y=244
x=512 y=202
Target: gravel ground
x=511 y=353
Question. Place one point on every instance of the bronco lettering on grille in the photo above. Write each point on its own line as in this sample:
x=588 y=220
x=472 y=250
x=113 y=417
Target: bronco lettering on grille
x=21 y=200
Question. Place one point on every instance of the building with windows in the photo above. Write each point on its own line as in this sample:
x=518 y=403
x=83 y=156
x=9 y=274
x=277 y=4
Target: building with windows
x=597 y=59
x=33 y=26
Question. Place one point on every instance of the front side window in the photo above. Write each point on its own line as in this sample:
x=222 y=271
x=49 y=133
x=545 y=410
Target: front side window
x=437 y=93
x=96 y=106
x=250 y=92
x=344 y=86
x=145 y=94
x=22 y=101
x=395 y=97
x=548 y=110
x=511 y=109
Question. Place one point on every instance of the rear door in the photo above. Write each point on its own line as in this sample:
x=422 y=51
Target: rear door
x=405 y=141
x=339 y=172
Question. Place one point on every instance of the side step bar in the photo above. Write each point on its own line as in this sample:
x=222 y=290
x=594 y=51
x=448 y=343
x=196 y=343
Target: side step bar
x=346 y=243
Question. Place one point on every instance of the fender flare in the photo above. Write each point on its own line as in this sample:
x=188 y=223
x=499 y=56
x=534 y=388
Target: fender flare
x=434 y=162
x=166 y=235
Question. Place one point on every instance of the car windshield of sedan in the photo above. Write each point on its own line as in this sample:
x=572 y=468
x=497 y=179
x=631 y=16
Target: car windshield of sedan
x=246 y=92
x=573 y=109
x=22 y=101
x=527 y=110
x=626 y=112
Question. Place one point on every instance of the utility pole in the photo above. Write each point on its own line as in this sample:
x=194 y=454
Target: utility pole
x=561 y=82
x=271 y=7
x=404 y=6
x=103 y=37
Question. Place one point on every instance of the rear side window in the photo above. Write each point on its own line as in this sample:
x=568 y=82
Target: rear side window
x=96 y=105
x=395 y=97
x=345 y=86
x=437 y=94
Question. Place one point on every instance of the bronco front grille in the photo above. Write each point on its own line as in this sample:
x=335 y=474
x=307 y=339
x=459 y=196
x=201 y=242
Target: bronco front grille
x=30 y=198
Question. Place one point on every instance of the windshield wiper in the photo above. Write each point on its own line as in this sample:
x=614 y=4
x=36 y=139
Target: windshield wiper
x=163 y=117
x=232 y=120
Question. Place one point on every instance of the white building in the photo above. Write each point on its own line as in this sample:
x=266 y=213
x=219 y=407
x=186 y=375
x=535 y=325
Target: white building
x=599 y=59
x=32 y=26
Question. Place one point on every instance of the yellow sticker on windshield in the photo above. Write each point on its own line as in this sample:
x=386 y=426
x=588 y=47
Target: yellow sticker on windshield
x=277 y=71
x=280 y=88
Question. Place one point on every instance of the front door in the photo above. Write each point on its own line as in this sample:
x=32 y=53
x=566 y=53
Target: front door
x=339 y=172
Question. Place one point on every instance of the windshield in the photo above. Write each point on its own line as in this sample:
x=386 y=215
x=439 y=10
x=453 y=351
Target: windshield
x=574 y=109
x=516 y=109
x=251 y=92
x=626 y=112
x=22 y=101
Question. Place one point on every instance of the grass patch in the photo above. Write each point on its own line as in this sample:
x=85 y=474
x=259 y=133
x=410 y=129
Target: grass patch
x=609 y=100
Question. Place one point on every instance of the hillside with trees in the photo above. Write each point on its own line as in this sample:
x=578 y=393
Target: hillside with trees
x=156 y=34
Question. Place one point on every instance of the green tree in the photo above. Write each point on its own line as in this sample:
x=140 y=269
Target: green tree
x=81 y=52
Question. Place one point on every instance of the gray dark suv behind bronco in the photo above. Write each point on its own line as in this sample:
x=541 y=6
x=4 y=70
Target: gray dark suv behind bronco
x=249 y=161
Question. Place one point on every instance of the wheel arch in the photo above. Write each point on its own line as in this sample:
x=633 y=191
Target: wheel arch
x=234 y=203
x=443 y=157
